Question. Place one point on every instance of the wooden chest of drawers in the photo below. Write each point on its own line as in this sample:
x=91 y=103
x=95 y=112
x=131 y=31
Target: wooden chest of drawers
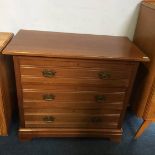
x=73 y=85
x=144 y=92
x=7 y=93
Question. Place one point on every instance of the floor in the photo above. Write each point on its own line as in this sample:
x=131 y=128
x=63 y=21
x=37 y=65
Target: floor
x=145 y=145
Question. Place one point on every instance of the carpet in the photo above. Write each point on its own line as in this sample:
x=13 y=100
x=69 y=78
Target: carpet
x=145 y=145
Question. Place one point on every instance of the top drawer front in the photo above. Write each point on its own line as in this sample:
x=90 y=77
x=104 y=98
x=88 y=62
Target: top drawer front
x=54 y=70
x=107 y=72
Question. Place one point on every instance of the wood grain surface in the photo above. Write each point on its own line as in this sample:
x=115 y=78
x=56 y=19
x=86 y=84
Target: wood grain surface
x=54 y=44
x=143 y=98
x=6 y=85
x=73 y=81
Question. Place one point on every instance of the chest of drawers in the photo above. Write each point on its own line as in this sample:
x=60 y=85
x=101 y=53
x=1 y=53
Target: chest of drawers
x=73 y=85
x=144 y=91
x=7 y=85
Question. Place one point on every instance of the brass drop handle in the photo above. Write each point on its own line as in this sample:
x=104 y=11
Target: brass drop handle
x=48 y=73
x=100 y=98
x=48 y=119
x=48 y=97
x=104 y=75
x=96 y=119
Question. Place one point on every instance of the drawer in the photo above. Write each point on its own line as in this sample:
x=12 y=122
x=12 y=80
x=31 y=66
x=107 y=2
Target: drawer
x=109 y=98
x=71 y=119
x=50 y=71
x=105 y=77
x=107 y=72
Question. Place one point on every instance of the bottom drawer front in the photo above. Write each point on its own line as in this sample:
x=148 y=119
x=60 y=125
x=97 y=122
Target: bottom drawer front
x=68 y=120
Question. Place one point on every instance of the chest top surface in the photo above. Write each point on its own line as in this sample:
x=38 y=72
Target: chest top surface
x=69 y=45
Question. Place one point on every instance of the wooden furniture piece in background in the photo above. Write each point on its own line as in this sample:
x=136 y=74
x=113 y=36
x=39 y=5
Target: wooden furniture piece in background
x=7 y=86
x=73 y=85
x=144 y=94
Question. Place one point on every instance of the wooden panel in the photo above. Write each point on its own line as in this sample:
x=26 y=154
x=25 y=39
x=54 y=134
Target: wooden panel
x=153 y=97
x=7 y=89
x=144 y=39
x=28 y=133
x=69 y=119
x=84 y=82
x=74 y=96
x=70 y=110
x=153 y=102
x=5 y=38
x=73 y=63
x=85 y=99
x=39 y=124
x=19 y=91
x=150 y=106
x=81 y=105
x=72 y=88
x=67 y=45
x=76 y=73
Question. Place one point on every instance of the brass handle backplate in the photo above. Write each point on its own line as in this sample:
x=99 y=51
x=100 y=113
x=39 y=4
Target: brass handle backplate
x=100 y=98
x=48 y=119
x=48 y=73
x=48 y=97
x=104 y=75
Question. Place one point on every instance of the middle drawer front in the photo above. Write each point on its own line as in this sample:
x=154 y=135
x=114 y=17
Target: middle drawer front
x=85 y=98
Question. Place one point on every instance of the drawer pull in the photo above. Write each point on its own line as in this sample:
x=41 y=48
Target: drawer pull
x=48 y=73
x=96 y=119
x=100 y=98
x=104 y=75
x=48 y=97
x=48 y=119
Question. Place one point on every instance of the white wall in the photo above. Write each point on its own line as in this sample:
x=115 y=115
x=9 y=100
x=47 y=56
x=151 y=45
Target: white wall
x=110 y=17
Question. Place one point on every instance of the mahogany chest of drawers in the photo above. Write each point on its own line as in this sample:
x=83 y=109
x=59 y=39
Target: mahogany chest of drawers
x=73 y=85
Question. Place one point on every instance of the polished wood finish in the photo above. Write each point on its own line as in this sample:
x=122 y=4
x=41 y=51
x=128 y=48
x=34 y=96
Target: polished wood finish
x=60 y=118
x=143 y=98
x=73 y=85
x=64 y=69
x=26 y=133
x=68 y=45
x=7 y=91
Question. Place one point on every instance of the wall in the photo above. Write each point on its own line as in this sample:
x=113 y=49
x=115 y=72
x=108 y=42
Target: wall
x=109 y=17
